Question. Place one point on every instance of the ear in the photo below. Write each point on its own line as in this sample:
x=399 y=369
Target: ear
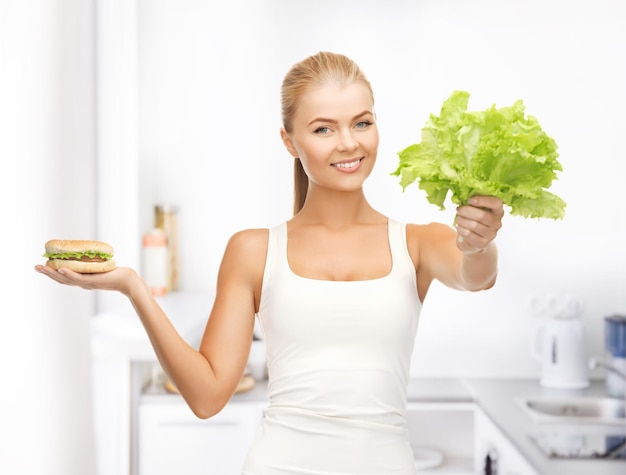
x=288 y=143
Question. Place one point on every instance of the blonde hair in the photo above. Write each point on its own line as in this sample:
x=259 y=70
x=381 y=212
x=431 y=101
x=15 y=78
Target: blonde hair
x=314 y=71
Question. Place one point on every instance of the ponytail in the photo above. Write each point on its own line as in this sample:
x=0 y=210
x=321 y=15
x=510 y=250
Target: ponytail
x=300 y=186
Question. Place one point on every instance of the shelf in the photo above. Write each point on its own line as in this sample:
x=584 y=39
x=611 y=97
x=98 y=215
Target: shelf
x=120 y=334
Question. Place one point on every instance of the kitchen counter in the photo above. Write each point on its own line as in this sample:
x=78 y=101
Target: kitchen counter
x=438 y=390
x=497 y=398
x=118 y=339
x=420 y=390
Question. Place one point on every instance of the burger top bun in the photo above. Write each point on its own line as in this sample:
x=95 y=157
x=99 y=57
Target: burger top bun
x=84 y=256
x=61 y=246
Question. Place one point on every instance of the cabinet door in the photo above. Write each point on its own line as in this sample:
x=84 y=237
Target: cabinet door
x=504 y=458
x=174 y=441
x=447 y=428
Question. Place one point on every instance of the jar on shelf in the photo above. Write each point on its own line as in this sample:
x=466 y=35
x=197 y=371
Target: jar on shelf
x=166 y=219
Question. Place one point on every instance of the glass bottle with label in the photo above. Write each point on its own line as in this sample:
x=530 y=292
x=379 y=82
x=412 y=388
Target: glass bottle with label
x=155 y=261
x=166 y=219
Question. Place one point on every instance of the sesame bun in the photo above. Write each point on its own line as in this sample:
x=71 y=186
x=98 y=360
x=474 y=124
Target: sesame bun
x=84 y=256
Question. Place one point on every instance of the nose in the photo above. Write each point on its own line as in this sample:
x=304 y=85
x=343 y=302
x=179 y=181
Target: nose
x=347 y=142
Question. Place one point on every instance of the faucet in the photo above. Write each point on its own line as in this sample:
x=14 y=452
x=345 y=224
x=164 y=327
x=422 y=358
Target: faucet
x=595 y=362
x=615 y=377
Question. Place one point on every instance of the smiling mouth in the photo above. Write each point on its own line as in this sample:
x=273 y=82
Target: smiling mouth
x=348 y=165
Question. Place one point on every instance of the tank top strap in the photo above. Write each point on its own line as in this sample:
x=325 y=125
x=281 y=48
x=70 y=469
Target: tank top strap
x=276 y=252
x=402 y=261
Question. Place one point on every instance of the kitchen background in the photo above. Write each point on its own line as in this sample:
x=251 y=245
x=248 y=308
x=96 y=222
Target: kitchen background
x=108 y=107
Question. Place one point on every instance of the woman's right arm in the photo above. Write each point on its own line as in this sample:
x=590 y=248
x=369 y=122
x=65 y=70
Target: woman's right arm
x=206 y=378
x=218 y=366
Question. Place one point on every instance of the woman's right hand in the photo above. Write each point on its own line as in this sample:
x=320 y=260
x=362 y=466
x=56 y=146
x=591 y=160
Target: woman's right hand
x=120 y=279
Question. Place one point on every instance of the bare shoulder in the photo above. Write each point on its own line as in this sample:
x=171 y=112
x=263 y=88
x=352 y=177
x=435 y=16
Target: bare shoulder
x=248 y=246
x=430 y=245
x=428 y=235
x=433 y=251
x=243 y=265
x=250 y=239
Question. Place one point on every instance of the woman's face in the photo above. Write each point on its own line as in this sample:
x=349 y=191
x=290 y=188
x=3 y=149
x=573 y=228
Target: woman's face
x=335 y=136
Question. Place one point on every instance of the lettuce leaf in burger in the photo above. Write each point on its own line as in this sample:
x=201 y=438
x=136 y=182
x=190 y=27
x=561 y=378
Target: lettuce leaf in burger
x=84 y=256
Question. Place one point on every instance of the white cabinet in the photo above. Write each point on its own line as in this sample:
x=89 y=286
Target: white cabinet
x=493 y=448
x=173 y=440
x=447 y=428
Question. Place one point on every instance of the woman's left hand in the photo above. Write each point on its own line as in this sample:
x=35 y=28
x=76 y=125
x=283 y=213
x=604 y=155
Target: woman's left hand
x=478 y=223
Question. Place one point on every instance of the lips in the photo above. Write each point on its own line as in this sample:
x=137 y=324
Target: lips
x=348 y=165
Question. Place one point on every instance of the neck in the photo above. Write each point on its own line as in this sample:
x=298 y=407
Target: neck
x=336 y=209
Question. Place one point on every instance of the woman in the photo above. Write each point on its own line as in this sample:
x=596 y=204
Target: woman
x=338 y=291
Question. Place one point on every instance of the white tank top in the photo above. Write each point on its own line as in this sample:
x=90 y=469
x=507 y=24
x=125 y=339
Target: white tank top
x=338 y=362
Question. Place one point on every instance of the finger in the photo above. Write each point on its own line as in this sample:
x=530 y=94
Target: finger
x=480 y=224
x=492 y=204
x=475 y=234
x=473 y=217
x=62 y=276
x=468 y=241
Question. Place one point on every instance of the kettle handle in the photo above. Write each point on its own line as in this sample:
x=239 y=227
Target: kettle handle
x=536 y=347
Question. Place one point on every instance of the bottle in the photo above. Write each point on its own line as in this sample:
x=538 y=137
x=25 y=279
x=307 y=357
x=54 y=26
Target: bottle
x=155 y=261
x=165 y=219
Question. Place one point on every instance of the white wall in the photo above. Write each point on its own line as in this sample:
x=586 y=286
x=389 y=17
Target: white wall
x=48 y=150
x=209 y=76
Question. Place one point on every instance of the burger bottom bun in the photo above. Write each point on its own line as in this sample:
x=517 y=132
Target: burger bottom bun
x=83 y=267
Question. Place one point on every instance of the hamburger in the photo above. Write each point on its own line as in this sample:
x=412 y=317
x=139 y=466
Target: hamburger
x=84 y=256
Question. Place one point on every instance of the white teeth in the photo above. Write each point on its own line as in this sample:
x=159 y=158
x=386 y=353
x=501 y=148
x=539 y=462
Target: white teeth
x=347 y=165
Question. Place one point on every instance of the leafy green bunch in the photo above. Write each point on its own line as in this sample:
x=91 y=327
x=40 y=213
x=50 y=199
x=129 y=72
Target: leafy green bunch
x=498 y=152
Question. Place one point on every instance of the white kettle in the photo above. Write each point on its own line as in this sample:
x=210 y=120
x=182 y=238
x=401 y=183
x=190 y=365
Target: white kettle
x=558 y=345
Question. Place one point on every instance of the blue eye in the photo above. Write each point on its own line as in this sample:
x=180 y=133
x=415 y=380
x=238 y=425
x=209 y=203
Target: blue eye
x=321 y=130
x=363 y=124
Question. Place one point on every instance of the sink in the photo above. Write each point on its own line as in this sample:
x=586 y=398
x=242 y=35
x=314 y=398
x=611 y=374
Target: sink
x=592 y=410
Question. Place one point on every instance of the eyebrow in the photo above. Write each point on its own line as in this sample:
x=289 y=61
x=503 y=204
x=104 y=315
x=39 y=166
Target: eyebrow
x=333 y=121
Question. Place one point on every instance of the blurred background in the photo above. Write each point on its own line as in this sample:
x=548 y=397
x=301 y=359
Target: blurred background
x=110 y=107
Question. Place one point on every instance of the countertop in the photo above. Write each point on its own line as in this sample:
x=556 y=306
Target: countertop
x=497 y=399
x=120 y=334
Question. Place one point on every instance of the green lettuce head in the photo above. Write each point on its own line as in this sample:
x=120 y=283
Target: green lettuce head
x=497 y=152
